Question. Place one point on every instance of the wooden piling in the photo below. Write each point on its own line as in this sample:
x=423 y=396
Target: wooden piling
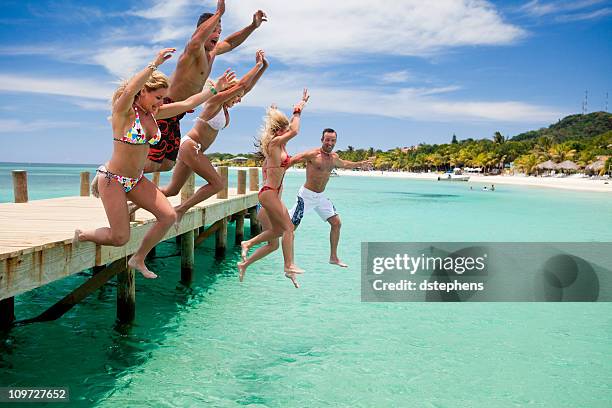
x=126 y=296
x=187 y=239
x=254 y=179
x=222 y=170
x=20 y=186
x=242 y=181
x=155 y=179
x=221 y=238
x=187 y=257
x=84 y=184
x=255 y=227
x=239 y=227
x=7 y=313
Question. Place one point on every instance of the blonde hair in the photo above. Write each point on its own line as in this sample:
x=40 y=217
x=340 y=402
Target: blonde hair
x=157 y=80
x=274 y=121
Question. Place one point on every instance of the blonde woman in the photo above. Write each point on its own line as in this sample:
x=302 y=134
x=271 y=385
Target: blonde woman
x=135 y=106
x=214 y=117
x=275 y=134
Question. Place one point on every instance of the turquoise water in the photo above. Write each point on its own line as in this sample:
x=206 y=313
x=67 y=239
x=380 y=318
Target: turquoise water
x=264 y=344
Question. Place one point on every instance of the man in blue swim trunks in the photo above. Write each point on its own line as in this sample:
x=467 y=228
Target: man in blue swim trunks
x=319 y=164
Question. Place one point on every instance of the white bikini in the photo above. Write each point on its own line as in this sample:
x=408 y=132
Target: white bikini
x=218 y=122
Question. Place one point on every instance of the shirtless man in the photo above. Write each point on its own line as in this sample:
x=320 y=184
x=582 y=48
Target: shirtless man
x=319 y=164
x=192 y=71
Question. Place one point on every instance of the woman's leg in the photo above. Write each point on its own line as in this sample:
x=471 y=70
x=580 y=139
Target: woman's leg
x=281 y=225
x=202 y=166
x=262 y=251
x=114 y=200
x=147 y=196
x=180 y=174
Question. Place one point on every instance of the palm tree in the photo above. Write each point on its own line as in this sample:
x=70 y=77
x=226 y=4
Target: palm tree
x=498 y=138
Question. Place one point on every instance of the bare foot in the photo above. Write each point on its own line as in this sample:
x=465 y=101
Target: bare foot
x=292 y=277
x=244 y=250
x=338 y=262
x=242 y=269
x=140 y=266
x=76 y=239
x=132 y=208
x=293 y=269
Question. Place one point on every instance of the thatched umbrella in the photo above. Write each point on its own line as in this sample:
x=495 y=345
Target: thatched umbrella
x=568 y=165
x=547 y=165
x=595 y=167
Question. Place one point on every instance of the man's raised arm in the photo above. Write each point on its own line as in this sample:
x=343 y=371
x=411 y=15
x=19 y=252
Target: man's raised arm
x=304 y=156
x=204 y=30
x=238 y=37
x=345 y=164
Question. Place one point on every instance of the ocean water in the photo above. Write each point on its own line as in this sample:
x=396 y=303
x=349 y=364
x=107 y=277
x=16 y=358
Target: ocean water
x=263 y=343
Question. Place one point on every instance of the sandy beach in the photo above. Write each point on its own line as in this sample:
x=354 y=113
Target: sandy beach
x=566 y=183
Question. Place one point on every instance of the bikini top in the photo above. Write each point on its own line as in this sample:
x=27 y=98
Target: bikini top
x=219 y=121
x=136 y=135
x=284 y=164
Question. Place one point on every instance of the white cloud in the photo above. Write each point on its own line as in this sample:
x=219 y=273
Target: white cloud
x=123 y=62
x=586 y=16
x=320 y=32
x=395 y=77
x=538 y=9
x=81 y=88
x=422 y=104
x=18 y=126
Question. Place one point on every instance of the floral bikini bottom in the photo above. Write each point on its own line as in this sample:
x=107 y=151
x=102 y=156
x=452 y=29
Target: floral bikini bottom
x=128 y=183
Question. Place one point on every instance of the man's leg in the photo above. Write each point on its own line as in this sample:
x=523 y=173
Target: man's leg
x=334 y=238
x=327 y=212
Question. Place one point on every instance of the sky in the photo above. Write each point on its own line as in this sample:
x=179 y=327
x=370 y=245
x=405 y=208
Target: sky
x=383 y=74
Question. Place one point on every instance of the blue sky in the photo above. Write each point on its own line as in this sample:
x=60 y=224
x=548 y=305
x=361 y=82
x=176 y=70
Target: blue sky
x=383 y=74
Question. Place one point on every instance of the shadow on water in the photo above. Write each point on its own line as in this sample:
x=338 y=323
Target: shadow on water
x=86 y=349
x=422 y=195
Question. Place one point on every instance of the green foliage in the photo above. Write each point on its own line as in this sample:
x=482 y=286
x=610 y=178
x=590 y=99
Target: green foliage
x=573 y=127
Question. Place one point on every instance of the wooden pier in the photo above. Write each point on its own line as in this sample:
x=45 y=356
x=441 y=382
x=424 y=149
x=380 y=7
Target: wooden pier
x=36 y=241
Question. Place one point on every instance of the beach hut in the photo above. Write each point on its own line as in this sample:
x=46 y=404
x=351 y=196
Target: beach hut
x=568 y=166
x=547 y=165
x=595 y=167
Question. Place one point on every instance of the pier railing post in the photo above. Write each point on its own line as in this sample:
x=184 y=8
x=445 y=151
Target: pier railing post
x=20 y=186
x=187 y=239
x=221 y=238
x=7 y=313
x=254 y=179
x=155 y=179
x=126 y=296
x=242 y=181
x=222 y=170
x=240 y=227
x=84 y=184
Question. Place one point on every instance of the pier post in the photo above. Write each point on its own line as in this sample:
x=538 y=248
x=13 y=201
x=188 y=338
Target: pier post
x=126 y=295
x=254 y=179
x=187 y=239
x=255 y=227
x=7 y=313
x=242 y=181
x=221 y=238
x=155 y=179
x=222 y=170
x=20 y=186
x=84 y=184
x=239 y=227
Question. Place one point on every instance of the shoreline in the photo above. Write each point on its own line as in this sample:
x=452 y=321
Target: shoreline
x=564 y=183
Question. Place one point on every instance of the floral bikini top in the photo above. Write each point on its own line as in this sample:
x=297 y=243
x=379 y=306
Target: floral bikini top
x=136 y=135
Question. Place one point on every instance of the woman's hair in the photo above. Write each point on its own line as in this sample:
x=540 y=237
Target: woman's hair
x=273 y=121
x=157 y=80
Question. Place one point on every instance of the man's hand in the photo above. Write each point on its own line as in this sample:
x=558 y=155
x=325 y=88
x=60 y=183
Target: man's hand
x=258 y=18
x=221 y=7
x=367 y=164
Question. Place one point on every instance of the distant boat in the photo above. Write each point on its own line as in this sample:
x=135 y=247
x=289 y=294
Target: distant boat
x=333 y=173
x=453 y=176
